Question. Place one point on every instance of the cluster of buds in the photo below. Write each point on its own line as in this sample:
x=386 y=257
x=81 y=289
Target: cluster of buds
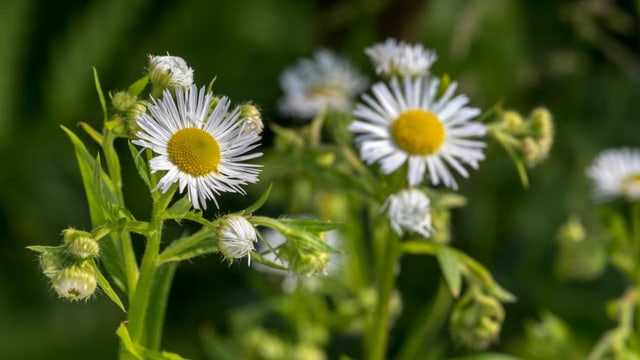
x=128 y=106
x=476 y=319
x=70 y=267
x=529 y=139
x=304 y=260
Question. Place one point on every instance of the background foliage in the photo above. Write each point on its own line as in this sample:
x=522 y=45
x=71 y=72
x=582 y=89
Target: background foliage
x=580 y=58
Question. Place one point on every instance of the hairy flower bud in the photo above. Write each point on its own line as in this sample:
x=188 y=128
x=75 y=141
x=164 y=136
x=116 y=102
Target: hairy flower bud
x=252 y=117
x=51 y=263
x=476 y=320
x=80 y=244
x=410 y=210
x=75 y=283
x=169 y=72
x=237 y=238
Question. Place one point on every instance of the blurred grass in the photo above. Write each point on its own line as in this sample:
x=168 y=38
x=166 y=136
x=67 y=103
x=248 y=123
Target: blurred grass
x=566 y=55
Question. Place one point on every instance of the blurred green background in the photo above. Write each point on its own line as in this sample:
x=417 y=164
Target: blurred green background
x=580 y=58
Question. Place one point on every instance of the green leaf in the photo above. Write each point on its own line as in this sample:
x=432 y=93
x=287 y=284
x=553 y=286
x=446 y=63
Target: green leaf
x=258 y=204
x=124 y=336
x=419 y=247
x=180 y=208
x=140 y=352
x=108 y=290
x=41 y=249
x=450 y=265
x=95 y=135
x=137 y=87
x=310 y=225
x=103 y=102
x=141 y=165
x=201 y=243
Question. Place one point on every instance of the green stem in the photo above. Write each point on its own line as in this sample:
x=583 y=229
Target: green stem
x=386 y=253
x=140 y=301
x=157 y=307
x=635 y=233
x=429 y=321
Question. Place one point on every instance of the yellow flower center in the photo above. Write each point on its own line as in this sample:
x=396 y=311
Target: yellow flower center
x=194 y=151
x=631 y=185
x=418 y=132
x=327 y=90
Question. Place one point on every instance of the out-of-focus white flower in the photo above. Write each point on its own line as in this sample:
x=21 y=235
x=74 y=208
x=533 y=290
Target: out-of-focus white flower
x=325 y=82
x=616 y=173
x=393 y=58
x=410 y=210
x=407 y=122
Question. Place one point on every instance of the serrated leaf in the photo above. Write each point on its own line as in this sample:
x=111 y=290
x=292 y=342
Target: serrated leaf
x=141 y=165
x=137 y=87
x=258 y=204
x=450 y=265
x=103 y=102
x=107 y=289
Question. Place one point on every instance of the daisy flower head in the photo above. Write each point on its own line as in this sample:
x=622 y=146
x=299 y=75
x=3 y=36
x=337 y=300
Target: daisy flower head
x=398 y=58
x=406 y=122
x=409 y=210
x=325 y=81
x=237 y=236
x=169 y=72
x=616 y=173
x=202 y=148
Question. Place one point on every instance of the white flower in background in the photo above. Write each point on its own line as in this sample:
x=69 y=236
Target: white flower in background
x=202 y=150
x=409 y=210
x=290 y=280
x=406 y=122
x=616 y=173
x=237 y=236
x=75 y=283
x=324 y=82
x=393 y=58
x=169 y=72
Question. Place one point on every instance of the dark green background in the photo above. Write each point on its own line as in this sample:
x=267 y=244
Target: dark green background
x=580 y=60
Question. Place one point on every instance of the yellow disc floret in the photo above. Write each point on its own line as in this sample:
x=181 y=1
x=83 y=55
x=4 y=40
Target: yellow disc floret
x=418 y=132
x=194 y=151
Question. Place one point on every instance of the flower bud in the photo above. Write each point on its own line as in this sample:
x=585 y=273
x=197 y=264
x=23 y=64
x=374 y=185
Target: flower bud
x=512 y=120
x=168 y=72
x=74 y=283
x=409 y=210
x=51 y=263
x=252 y=117
x=122 y=101
x=476 y=320
x=237 y=238
x=80 y=244
x=309 y=261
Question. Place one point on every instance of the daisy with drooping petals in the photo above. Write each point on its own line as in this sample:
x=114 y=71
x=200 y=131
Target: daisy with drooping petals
x=409 y=210
x=202 y=149
x=393 y=58
x=324 y=82
x=616 y=173
x=407 y=123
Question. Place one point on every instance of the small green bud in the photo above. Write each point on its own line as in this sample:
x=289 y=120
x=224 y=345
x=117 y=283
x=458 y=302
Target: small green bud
x=236 y=238
x=51 y=263
x=309 y=262
x=123 y=101
x=512 y=120
x=252 y=117
x=75 y=283
x=80 y=244
x=476 y=320
x=572 y=231
x=169 y=72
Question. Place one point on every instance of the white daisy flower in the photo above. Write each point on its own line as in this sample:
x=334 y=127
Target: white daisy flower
x=236 y=239
x=393 y=58
x=409 y=210
x=169 y=71
x=616 y=173
x=202 y=150
x=407 y=123
x=324 y=82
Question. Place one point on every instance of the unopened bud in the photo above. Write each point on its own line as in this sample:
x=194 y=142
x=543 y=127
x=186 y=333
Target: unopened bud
x=252 y=117
x=512 y=120
x=237 y=238
x=169 y=72
x=309 y=262
x=80 y=244
x=476 y=320
x=51 y=263
x=123 y=101
x=75 y=283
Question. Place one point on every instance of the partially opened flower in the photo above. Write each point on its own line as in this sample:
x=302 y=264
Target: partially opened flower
x=407 y=123
x=409 y=210
x=616 y=173
x=393 y=58
x=203 y=150
x=324 y=82
x=169 y=72
x=237 y=236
